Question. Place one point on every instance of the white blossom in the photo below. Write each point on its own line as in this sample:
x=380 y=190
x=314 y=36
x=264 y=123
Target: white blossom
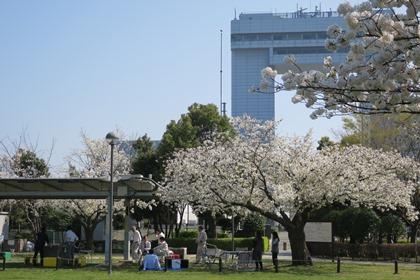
x=383 y=38
x=268 y=73
x=259 y=171
x=334 y=30
x=289 y=59
x=344 y=8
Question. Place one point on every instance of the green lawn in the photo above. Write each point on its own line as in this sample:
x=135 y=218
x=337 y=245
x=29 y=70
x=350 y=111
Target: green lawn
x=318 y=271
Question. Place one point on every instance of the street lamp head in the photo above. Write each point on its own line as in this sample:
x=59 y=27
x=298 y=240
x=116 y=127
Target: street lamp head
x=111 y=138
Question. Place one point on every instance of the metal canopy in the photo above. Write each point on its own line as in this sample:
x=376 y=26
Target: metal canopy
x=135 y=186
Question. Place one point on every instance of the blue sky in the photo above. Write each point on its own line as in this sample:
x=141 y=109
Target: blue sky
x=68 y=66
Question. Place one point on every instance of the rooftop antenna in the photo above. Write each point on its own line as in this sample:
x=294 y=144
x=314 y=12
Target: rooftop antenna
x=221 y=71
x=235 y=13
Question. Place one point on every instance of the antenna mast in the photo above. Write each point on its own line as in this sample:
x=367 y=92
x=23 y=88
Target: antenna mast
x=222 y=111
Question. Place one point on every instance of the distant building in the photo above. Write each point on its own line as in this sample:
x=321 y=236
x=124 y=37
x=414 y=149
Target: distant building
x=264 y=39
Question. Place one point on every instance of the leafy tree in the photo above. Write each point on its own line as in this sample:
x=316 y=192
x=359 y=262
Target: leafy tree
x=391 y=227
x=191 y=130
x=146 y=159
x=360 y=223
x=25 y=163
x=324 y=142
x=252 y=224
x=198 y=124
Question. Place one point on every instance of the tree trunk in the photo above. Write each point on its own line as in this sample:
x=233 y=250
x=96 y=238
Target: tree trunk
x=89 y=237
x=300 y=253
x=413 y=233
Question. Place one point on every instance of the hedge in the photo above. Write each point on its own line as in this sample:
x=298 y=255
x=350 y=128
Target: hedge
x=221 y=243
x=364 y=251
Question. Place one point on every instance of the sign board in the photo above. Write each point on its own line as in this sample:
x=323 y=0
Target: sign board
x=318 y=232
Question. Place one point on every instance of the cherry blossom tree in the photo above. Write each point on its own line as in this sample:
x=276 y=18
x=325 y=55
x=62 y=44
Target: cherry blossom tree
x=93 y=161
x=380 y=74
x=284 y=178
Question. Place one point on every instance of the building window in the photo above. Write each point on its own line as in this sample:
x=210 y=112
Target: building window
x=250 y=37
x=236 y=37
x=309 y=35
x=304 y=50
x=294 y=36
x=265 y=37
x=279 y=36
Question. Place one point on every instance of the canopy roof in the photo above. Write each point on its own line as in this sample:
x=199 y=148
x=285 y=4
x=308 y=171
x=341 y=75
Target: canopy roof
x=134 y=186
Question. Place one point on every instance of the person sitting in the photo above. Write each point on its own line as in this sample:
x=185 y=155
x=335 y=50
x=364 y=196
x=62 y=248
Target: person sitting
x=151 y=262
x=145 y=245
x=162 y=250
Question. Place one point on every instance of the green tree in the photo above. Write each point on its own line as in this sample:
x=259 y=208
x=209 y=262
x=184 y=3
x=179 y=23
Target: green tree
x=391 y=227
x=252 y=224
x=146 y=159
x=26 y=163
x=324 y=142
x=198 y=124
x=193 y=128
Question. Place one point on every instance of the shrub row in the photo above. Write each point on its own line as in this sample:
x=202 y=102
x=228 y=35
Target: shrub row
x=221 y=243
x=364 y=251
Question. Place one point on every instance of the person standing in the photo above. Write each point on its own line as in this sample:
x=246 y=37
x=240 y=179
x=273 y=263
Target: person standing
x=257 y=250
x=135 y=247
x=201 y=244
x=70 y=239
x=275 y=248
x=41 y=240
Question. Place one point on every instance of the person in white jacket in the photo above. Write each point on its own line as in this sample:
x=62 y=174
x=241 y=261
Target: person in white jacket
x=135 y=246
x=162 y=250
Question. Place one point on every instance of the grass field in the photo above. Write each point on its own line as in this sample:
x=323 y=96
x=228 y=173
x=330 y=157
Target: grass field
x=316 y=272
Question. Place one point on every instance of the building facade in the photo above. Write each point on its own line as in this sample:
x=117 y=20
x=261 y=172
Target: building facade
x=264 y=39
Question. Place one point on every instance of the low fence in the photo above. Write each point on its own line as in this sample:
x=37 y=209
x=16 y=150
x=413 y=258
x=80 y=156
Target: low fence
x=366 y=251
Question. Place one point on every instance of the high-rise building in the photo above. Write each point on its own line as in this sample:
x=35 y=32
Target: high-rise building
x=264 y=39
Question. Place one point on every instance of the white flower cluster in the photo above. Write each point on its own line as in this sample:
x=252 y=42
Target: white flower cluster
x=258 y=171
x=94 y=160
x=381 y=72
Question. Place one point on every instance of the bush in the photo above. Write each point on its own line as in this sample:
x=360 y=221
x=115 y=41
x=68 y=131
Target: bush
x=363 y=251
x=222 y=235
x=188 y=234
x=221 y=243
x=252 y=223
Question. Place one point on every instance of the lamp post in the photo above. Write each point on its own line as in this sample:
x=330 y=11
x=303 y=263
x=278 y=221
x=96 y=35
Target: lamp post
x=111 y=138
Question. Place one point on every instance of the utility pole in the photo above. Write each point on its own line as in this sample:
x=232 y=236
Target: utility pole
x=221 y=72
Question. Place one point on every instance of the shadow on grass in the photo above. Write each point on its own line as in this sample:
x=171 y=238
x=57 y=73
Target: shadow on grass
x=285 y=268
